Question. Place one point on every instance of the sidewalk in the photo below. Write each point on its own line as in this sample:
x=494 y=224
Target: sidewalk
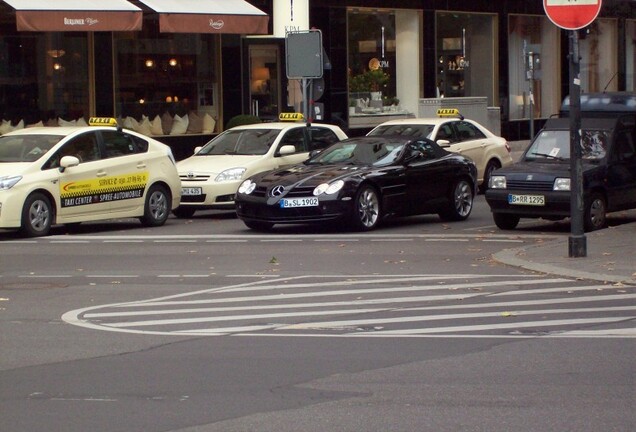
x=611 y=256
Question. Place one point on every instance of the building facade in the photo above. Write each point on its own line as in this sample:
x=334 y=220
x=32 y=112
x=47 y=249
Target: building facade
x=187 y=72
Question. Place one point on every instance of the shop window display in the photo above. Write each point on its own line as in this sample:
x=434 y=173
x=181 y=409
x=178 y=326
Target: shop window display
x=598 y=48
x=533 y=56
x=466 y=49
x=43 y=79
x=166 y=84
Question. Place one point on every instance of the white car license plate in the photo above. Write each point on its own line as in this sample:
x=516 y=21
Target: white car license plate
x=190 y=191
x=299 y=202
x=532 y=200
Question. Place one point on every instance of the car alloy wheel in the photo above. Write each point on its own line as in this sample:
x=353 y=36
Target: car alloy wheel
x=157 y=208
x=37 y=216
x=594 y=217
x=460 y=202
x=367 y=209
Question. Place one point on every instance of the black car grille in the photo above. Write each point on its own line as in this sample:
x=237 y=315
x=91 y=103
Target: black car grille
x=193 y=198
x=533 y=186
x=300 y=192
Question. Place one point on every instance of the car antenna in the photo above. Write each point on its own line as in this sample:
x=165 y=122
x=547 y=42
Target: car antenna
x=610 y=81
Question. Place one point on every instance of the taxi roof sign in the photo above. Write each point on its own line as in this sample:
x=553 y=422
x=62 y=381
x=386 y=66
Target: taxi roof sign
x=291 y=117
x=448 y=112
x=102 y=121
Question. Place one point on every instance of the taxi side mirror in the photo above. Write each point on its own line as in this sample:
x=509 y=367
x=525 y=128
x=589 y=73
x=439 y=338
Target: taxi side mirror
x=196 y=149
x=68 y=162
x=287 y=150
x=443 y=143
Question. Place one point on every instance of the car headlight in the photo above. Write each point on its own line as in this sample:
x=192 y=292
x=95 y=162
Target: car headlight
x=231 y=174
x=561 y=184
x=497 y=182
x=328 y=189
x=9 y=182
x=247 y=187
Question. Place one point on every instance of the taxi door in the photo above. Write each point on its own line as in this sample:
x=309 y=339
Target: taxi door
x=471 y=142
x=294 y=137
x=78 y=197
x=126 y=172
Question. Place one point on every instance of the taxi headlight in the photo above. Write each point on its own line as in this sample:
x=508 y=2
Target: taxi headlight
x=231 y=174
x=9 y=182
x=497 y=182
x=329 y=189
x=561 y=184
x=247 y=187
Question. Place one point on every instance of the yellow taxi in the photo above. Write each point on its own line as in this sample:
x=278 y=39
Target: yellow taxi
x=67 y=175
x=211 y=177
x=456 y=134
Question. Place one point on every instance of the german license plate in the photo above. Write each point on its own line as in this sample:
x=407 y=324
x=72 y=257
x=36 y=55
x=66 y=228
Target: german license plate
x=191 y=191
x=299 y=202
x=531 y=200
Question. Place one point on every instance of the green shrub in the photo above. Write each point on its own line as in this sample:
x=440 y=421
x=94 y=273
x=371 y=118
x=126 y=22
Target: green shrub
x=242 y=119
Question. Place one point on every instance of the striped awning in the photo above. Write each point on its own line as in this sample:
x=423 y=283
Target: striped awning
x=209 y=16
x=76 y=15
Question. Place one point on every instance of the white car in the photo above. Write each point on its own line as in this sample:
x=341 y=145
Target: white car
x=211 y=177
x=68 y=175
x=459 y=135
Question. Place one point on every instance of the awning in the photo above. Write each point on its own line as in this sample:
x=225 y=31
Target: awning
x=76 y=15
x=209 y=16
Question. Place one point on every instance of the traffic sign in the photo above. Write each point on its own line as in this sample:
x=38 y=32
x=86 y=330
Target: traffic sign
x=572 y=14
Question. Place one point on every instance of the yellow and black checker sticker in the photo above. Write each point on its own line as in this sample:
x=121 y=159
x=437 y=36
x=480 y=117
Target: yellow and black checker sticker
x=290 y=116
x=95 y=191
x=447 y=112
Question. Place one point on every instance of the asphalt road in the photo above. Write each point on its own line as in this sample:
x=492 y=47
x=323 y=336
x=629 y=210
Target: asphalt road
x=203 y=325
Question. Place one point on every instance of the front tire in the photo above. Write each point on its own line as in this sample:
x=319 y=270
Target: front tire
x=157 y=207
x=37 y=216
x=594 y=217
x=505 y=221
x=460 y=202
x=367 y=211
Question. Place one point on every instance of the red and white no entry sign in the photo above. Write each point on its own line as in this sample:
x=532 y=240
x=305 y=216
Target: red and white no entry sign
x=572 y=14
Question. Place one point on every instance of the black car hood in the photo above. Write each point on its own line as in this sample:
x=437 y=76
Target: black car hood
x=311 y=175
x=541 y=170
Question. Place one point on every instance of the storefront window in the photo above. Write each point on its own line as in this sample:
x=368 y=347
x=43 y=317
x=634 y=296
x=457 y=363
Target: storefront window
x=371 y=59
x=167 y=76
x=630 y=60
x=43 y=78
x=466 y=51
x=533 y=62
x=598 y=47
x=384 y=76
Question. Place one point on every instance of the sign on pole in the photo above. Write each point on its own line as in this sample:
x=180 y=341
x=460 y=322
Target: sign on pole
x=572 y=14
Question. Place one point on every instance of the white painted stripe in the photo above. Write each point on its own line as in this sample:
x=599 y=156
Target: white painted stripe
x=112 y=276
x=539 y=324
x=238 y=317
x=502 y=241
x=571 y=2
x=226 y=241
x=175 y=241
x=44 y=276
x=501 y=306
x=123 y=241
x=410 y=319
x=70 y=241
x=281 y=240
x=446 y=240
x=392 y=240
x=562 y=289
x=252 y=307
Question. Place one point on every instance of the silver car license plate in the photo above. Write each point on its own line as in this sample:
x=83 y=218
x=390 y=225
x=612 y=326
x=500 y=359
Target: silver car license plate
x=191 y=191
x=531 y=200
x=299 y=202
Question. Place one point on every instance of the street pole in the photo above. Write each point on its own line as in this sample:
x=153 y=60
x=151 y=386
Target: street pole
x=577 y=246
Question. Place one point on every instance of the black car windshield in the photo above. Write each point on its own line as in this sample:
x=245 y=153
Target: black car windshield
x=241 y=142
x=26 y=148
x=410 y=130
x=377 y=153
x=555 y=144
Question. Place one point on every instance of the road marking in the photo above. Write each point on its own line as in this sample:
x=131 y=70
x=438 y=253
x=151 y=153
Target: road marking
x=374 y=306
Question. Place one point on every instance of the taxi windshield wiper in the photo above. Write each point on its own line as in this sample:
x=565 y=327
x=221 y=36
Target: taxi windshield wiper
x=549 y=156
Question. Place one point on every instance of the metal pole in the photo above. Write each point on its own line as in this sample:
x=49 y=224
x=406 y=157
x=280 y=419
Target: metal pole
x=577 y=246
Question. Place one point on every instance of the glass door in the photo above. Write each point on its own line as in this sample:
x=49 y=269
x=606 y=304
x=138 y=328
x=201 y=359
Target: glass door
x=264 y=89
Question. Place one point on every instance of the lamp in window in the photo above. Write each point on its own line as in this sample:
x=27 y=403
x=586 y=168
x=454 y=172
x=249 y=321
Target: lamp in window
x=260 y=77
x=56 y=53
x=149 y=63
x=173 y=62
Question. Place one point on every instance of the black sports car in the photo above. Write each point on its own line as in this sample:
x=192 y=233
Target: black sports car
x=360 y=181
